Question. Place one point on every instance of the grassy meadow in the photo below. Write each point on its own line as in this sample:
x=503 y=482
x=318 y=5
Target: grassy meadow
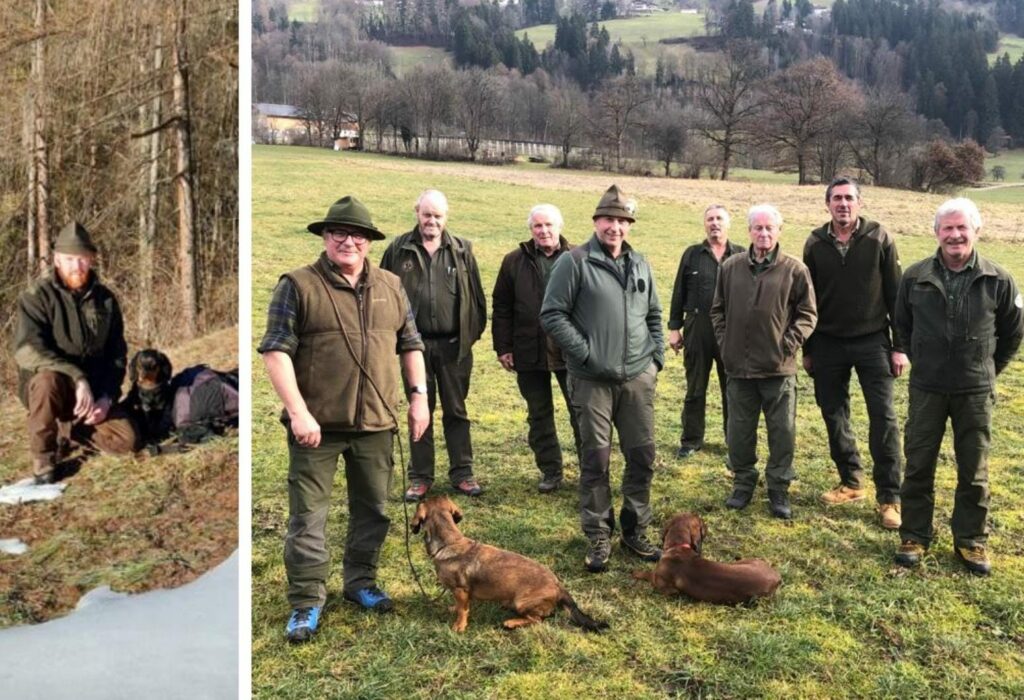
x=846 y=622
x=1008 y=43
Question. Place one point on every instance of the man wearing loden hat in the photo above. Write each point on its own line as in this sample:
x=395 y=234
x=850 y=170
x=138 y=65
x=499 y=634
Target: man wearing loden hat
x=71 y=356
x=333 y=328
x=602 y=309
x=441 y=277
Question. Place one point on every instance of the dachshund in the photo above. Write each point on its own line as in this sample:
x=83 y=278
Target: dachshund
x=151 y=396
x=682 y=569
x=475 y=571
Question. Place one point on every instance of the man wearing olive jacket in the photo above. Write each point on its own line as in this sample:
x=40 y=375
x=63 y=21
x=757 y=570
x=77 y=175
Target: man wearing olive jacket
x=71 y=355
x=764 y=310
x=602 y=309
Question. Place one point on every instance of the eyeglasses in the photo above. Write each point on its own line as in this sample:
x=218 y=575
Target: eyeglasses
x=339 y=236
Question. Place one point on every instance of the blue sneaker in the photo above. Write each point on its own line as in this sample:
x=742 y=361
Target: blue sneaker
x=371 y=598
x=302 y=624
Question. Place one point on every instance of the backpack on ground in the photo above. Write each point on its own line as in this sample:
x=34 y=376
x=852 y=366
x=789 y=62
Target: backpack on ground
x=205 y=403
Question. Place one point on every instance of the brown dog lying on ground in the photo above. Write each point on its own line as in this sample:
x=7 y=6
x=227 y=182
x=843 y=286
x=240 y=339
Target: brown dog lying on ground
x=472 y=570
x=683 y=570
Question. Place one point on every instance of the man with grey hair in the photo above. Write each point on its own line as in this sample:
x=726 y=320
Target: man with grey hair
x=960 y=316
x=763 y=311
x=690 y=328
x=441 y=277
x=521 y=343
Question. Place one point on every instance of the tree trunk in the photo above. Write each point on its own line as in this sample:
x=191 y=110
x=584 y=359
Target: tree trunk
x=149 y=213
x=39 y=184
x=183 y=179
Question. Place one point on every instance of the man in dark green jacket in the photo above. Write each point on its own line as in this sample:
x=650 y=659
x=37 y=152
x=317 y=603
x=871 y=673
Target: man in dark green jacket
x=440 y=275
x=856 y=271
x=960 y=316
x=521 y=344
x=690 y=328
x=602 y=309
x=71 y=355
x=333 y=329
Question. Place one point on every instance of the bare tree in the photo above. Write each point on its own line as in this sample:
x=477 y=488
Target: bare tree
x=727 y=100
x=568 y=115
x=882 y=134
x=803 y=104
x=184 y=176
x=615 y=108
x=667 y=133
x=38 y=229
x=476 y=103
x=429 y=96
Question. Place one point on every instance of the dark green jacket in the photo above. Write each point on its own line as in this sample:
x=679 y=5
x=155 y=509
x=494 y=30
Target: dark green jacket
x=694 y=289
x=405 y=258
x=80 y=335
x=960 y=350
x=608 y=324
x=856 y=294
x=518 y=294
x=339 y=395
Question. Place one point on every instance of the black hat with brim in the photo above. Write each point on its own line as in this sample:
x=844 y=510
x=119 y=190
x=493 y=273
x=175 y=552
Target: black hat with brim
x=348 y=211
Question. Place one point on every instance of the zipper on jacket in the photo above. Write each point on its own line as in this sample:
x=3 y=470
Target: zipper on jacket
x=361 y=308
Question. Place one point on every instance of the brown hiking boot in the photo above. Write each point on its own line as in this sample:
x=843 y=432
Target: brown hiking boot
x=842 y=494
x=910 y=553
x=889 y=513
x=43 y=469
x=975 y=559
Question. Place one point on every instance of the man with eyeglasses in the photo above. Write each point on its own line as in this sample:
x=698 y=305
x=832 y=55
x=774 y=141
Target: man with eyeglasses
x=441 y=277
x=332 y=330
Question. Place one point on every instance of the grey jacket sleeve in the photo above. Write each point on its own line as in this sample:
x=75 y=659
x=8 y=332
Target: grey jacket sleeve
x=1009 y=320
x=556 y=311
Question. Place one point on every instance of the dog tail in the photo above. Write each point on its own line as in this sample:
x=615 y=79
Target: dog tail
x=578 y=617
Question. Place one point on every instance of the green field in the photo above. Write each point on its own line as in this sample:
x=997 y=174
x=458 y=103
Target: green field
x=303 y=10
x=846 y=622
x=1008 y=43
x=407 y=57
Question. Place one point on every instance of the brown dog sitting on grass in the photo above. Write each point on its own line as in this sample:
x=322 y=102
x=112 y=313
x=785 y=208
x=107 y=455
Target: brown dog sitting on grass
x=682 y=569
x=477 y=571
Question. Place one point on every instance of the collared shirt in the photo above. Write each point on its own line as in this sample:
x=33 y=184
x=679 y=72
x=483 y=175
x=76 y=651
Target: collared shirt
x=758 y=267
x=283 y=314
x=438 y=295
x=955 y=281
x=546 y=262
x=840 y=245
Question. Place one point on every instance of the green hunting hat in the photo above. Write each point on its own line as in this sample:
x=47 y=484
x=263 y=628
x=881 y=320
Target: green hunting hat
x=75 y=240
x=616 y=203
x=348 y=211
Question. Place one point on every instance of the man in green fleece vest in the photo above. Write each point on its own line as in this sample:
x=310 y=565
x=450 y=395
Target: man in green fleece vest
x=856 y=271
x=71 y=355
x=332 y=332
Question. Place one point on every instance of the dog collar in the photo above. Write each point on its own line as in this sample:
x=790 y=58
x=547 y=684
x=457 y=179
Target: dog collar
x=678 y=546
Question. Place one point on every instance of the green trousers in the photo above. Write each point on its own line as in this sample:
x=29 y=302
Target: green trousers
x=629 y=408
x=748 y=398
x=311 y=470
x=971 y=416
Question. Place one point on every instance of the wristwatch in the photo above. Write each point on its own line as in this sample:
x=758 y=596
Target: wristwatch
x=418 y=389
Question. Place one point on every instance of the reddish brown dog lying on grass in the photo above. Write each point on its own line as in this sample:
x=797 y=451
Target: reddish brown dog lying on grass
x=683 y=570
x=472 y=570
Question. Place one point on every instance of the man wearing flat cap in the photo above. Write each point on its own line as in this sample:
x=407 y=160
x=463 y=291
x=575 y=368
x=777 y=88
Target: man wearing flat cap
x=71 y=356
x=333 y=329
x=602 y=309
x=441 y=277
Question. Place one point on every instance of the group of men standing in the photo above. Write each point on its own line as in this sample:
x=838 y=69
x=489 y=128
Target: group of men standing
x=590 y=316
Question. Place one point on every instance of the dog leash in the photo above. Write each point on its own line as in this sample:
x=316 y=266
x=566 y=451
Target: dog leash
x=408 y=541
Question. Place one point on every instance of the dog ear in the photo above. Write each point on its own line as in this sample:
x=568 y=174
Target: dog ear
x=133 y=367
x=417 y=520
x=456 y=514
x=164 y=362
